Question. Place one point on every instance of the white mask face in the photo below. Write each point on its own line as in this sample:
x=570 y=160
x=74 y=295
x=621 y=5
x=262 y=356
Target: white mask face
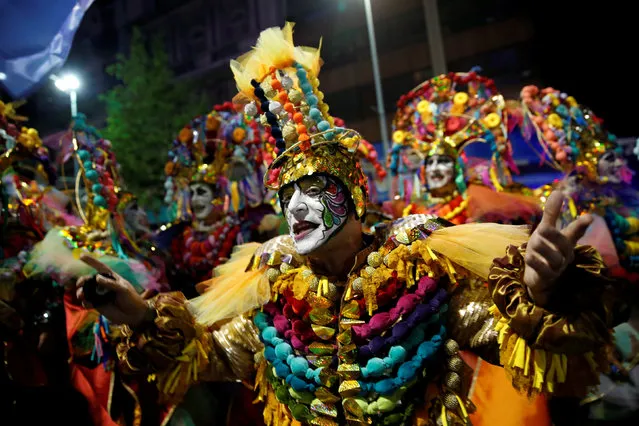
x=201 y=200
x=610 y=165
x=316 y=208
x=440 y=170
x=137 y=220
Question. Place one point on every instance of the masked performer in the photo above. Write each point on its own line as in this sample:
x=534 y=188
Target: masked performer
x=213 y=184
x=433 y=125
x=354 y=327
x=598 y=179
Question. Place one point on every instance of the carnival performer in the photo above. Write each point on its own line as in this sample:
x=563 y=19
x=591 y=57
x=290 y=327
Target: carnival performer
x=100 y=202
x=440 y=118
x=213 y=183
x=353 y=327
x=597 y=178
x=34 y=355
x=433 y=125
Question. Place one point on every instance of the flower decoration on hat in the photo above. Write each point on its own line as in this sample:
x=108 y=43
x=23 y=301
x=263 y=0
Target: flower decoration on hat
x=571 y=135
x=280 y=82
x=445 y=114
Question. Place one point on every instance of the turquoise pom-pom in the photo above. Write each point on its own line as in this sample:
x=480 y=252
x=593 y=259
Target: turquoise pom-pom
x=269 y=354
x=397 y=354
x=374 y=367
x=283 y=350
x=281 y=370
x=407 y=371
x=84 y=155
x=96 y=188
x=88 y=165
x=315 y=114
x=298 y=384
x=99 y=201
x=299 y=365
x=306 y=87
x=301 y=74
x=92 y=175
x=312 y=100
x=329 y=136
x=323 y=126
x=385 y=386
x=269 y=333
x=260 y=320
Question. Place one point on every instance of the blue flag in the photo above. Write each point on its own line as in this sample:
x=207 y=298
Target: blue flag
x=35 y=39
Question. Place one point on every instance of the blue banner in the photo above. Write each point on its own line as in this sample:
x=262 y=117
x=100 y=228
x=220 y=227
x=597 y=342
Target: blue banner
x=35 y=39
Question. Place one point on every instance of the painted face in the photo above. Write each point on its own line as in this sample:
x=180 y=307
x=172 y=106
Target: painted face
x=610 y=165
x=136 y=219
x=412 y=159
x=440 y=170
x=316 y=208
x=205 y=200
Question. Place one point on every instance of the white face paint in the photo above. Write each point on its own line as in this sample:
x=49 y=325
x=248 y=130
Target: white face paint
x=316 y=208
x=610 y=165
x=137 y=220
x=440 y=171
x=202 y=200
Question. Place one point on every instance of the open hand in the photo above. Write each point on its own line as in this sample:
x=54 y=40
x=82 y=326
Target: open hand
x=128 y=307
x=550 y=250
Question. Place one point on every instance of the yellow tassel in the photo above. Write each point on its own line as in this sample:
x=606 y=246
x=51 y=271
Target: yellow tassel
x=442 y=417
x=540 y=369
x=407 y=209
x=572 y=207
x=494 y=180
x=235 y=196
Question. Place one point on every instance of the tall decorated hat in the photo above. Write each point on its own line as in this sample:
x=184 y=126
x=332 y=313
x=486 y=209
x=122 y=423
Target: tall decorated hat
x=445 y=114
x=278 y=82
x=571 y=136
x=223 y=148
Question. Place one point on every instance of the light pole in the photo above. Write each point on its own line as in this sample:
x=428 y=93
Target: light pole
x=435 y=42
x=69 y=83
x=376 y=76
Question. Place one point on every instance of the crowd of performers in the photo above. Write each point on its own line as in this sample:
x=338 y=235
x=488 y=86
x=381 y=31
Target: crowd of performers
x=283 y=292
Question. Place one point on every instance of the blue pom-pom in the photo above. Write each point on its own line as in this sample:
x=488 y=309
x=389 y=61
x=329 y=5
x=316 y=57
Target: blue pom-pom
x=99 y=201
x=375 y=367
x=268 y=334
x=281 y=370
x=407 y=371
x=298 y=384
x=301 y=74
x=323 y=126
x=259 y=93
x=260 y=320
x=306 y=88
x=397 y=354
x=84 y=155
x=315 y=114
x=269 y=353
x=312 y=100
x=92 y=175
x=264 y=106
x=385 y=386
x=283 y=350
x=299 y=365
x=276 y=132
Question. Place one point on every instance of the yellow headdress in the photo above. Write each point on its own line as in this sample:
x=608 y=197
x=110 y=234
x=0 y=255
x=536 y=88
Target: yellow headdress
x=280 y=81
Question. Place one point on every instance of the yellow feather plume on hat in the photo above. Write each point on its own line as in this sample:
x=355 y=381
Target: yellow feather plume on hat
x=274 y=50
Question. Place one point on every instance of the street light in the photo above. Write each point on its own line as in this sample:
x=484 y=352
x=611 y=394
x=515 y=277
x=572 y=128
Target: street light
x=3 y=76
x=69 y=83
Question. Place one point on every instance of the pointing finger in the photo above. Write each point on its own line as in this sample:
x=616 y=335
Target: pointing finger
x=97 y=265
x=552 y=210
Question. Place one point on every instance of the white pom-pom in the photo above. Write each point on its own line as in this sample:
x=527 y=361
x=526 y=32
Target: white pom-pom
x=250 y=109
x=287 y=82
x=275 y=107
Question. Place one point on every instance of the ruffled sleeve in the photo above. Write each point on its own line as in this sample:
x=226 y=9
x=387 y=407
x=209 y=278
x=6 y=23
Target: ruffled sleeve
x=562 y=349
x=176 y=351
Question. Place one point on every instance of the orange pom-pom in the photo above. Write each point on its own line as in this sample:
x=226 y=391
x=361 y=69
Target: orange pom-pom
x=289 y=107
x=298 y=117
x=301 y=128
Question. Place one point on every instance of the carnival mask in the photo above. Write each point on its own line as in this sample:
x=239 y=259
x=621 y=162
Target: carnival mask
x=440 y=171
x=205 y=200
x=316 y=208
x=136 y=220
x=611 y=165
